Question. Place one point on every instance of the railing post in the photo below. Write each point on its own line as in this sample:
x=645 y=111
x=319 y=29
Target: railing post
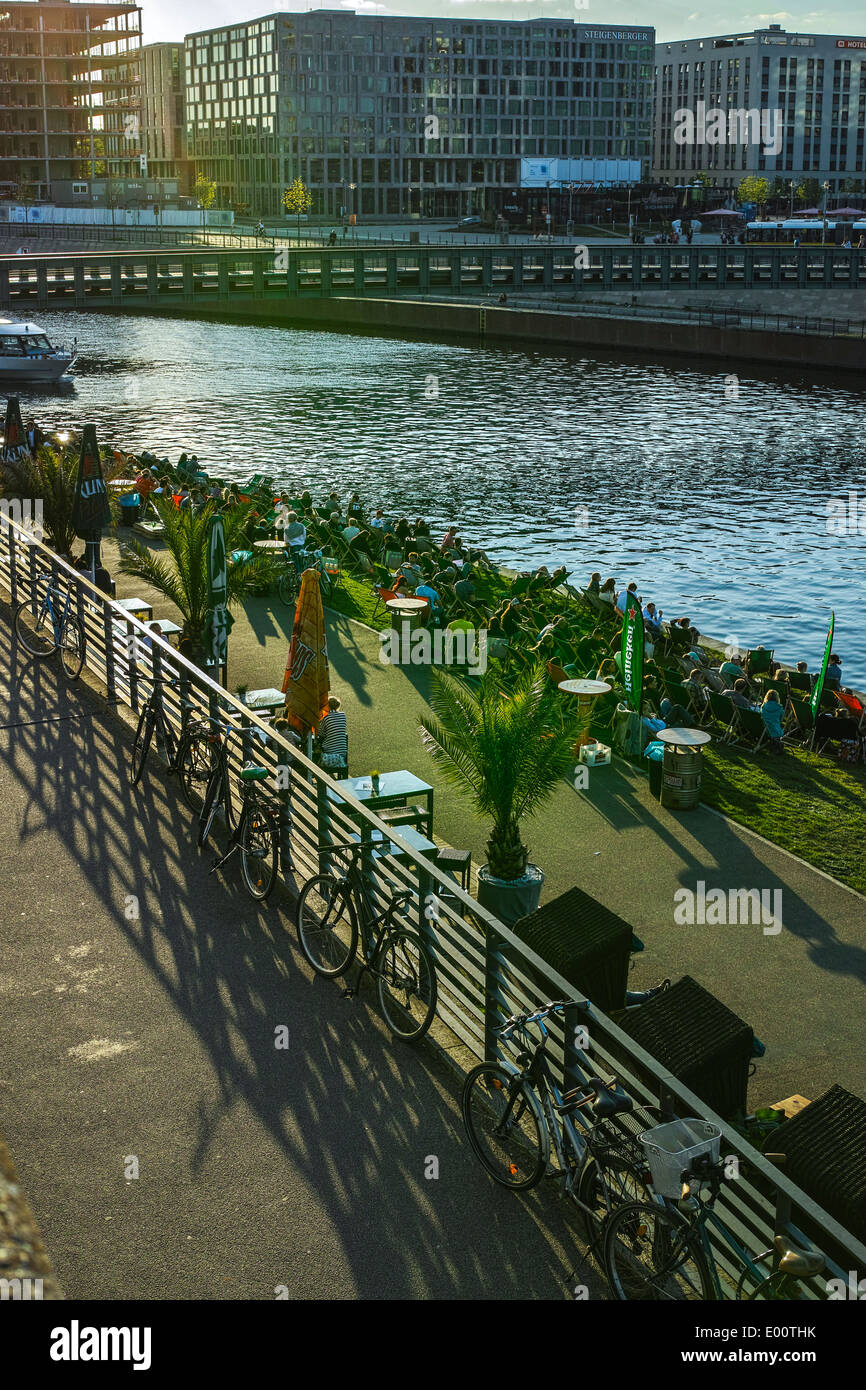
x=13 y=565
x=108 y=639
x=492 y=942
x=284 y=801
x=132 y=657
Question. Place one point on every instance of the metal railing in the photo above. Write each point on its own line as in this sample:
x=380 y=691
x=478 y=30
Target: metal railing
x=484 y=971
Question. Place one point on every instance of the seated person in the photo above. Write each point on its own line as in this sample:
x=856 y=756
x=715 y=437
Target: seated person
x=410 y=571
x=447 y=542
x=520 y=583
x=772 y=713
x=332 y=737
x=594 y=584
x=402 y=530
x=350 y=532
x=653 y=620
x=834 y=668
x=696 y=684
x=607 y=592
x=738 y=694
x=432 y=596
x=355 y=508
x=731 y=670
x=446 y=575
x=295 y=533
x=674 y=715
x=145 y=484
x=378 y=519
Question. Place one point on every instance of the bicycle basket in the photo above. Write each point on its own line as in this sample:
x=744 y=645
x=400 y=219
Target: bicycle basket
x=671 y=1149
x=330 y=564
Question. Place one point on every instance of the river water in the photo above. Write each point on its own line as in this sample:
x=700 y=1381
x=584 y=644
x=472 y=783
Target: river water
x=710 y=489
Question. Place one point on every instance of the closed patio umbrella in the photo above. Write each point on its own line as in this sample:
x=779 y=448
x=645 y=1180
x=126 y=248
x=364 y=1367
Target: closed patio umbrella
x=14 y=439
x=306 y=683
x=90 y=509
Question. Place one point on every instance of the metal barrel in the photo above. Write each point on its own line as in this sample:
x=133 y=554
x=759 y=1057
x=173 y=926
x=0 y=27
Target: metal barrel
x=681 y=778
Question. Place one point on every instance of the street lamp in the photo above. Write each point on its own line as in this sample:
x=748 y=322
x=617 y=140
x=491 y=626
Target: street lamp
x=792 y=186
x=570 y=201
x=826 y=187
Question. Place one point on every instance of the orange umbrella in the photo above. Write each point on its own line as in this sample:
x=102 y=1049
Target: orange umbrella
x=306 y=682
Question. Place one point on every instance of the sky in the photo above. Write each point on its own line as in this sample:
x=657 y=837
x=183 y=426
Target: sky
x=672 y=19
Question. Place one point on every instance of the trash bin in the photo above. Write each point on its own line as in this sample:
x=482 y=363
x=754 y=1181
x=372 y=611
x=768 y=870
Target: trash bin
x=698 y=1038
x=825 y=1154
x=654 y=754
x=130 y=508
x=681 y=778
x=585 y=942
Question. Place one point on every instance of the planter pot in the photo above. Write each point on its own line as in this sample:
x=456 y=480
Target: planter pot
x=510 y=899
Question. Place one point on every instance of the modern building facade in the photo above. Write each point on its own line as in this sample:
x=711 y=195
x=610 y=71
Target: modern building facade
x=385 y=116
x=69 y=94
x=163 y=122
x=809 y=93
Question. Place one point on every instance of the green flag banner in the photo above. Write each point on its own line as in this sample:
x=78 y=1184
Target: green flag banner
x=819 y=683
x=219 y=620
x=632 y=653
x=90 y=509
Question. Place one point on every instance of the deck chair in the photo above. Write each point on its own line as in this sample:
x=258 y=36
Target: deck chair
x=750 y=724
x=801 y=723
x=382 y=596
x=723 y=711
x=854 y=707
x=800 y=680
x=835 y=729
x=758 y=661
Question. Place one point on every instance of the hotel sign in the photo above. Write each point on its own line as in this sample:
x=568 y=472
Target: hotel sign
x=635 y=35
x=851 y=43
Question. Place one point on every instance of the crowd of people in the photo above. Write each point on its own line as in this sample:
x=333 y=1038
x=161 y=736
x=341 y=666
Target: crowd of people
x=531 y=616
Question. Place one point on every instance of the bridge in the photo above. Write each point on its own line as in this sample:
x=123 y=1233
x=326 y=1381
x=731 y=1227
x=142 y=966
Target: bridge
x=233 y=278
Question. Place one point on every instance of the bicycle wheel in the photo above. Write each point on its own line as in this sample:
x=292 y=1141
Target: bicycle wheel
x=325 y=583
x=406 y=984
x=610 y=1179
x=212 y=799
x=196 y=761
x=260 y=852
x=327 y=925
x=652 y=1253
x=287 y=588
x=71 y=648
x=503 y=1126
x=37 y=640
x=143 y=735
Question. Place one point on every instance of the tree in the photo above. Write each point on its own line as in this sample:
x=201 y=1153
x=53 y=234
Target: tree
x=753 y=190
x=181 y=576
x=297 y=200
x=504 y=742
x=810 y=192
x=204 y=190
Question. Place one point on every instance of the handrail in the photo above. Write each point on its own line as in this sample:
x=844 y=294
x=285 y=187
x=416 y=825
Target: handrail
x=483 y=965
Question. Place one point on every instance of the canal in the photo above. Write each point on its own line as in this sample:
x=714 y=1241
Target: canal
x=709 y=487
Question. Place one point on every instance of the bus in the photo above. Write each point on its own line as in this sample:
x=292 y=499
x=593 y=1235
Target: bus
x=812 y=231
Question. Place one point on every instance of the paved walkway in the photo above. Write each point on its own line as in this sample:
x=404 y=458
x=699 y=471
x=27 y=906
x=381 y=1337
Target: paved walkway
x=138 y=1001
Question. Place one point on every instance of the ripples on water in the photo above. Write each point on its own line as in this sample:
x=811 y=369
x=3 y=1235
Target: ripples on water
x=717 y=507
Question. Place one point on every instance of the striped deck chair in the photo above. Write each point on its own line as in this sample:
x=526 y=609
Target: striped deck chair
x=854 y=707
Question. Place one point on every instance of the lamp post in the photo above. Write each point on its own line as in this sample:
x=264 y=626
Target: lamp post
x=792 y=186
x=570 y=204
x=826 y=187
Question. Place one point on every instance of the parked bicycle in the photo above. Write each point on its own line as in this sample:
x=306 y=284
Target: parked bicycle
x=662 y=1251
x=191 y=756
x=335 y=912
x=56 y=627
x=516 y=1116
x=255 y=831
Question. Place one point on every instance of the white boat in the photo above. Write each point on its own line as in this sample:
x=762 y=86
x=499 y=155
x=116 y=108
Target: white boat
x=27 y=355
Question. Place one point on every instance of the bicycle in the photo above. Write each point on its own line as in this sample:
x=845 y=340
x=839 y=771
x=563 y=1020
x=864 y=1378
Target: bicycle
x=255 y=833
x=661 y=1251
x=336 y=913
x=515 y=1114
x=191 y=756
x=67 y=632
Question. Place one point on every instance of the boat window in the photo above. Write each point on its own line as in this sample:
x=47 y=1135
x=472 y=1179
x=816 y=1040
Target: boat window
x=11 y=347
x=34 y=344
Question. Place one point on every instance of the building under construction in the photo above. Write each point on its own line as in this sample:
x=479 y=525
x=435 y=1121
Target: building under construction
x=70 y=103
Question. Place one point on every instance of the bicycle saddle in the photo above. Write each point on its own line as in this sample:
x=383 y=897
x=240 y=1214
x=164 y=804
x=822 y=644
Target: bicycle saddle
x=609 y=1100
x=802 y=1264
x=251 y=773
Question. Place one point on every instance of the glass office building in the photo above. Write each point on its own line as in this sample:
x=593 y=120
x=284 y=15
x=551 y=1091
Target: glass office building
x=390 y=116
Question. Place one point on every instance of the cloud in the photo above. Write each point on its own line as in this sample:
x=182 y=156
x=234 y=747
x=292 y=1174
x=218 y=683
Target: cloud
x=364 y=6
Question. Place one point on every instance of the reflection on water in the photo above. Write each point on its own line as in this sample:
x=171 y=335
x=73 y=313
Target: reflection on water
x=644 y=470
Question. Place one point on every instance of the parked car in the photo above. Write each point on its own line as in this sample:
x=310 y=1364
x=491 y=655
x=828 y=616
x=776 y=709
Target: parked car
x=469 y=222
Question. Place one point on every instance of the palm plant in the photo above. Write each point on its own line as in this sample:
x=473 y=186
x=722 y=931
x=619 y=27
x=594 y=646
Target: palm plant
x=51 y=475
x=181 y=575
x=504 y=741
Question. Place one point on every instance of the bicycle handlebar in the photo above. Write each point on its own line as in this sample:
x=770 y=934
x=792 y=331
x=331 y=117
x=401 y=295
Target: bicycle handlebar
x=522 y=1020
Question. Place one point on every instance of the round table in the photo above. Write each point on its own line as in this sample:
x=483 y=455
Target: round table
x=682 y=767
x=269 y=545
x=405 y=605
x=684 y=738
x=587 y=692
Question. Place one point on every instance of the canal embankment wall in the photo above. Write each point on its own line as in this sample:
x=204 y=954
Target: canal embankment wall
x=550 y=328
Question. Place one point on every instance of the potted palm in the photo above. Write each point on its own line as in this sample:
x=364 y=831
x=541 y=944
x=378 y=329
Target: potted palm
x=181 y=575
x=504 y=741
